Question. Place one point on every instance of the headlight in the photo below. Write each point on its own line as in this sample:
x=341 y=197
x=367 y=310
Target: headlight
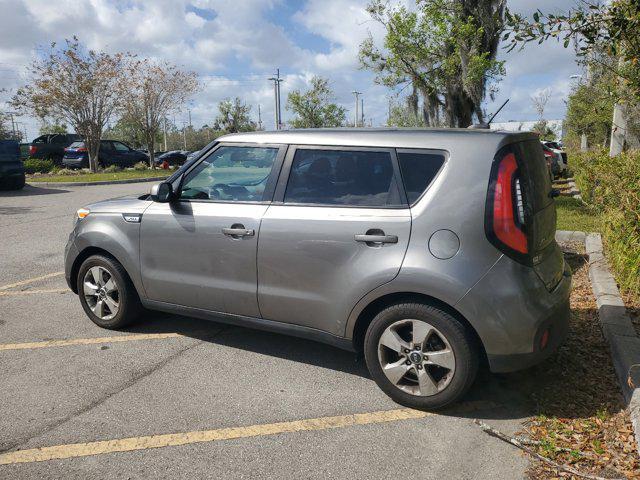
x=82 y=212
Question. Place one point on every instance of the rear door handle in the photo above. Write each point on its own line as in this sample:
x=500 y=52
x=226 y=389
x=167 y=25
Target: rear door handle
x=238 y=231
x=376 y=238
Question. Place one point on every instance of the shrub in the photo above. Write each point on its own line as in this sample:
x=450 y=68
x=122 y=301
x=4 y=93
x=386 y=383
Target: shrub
x=38 y=165
x=140 y=166
x=112 y=169
x=612 y=186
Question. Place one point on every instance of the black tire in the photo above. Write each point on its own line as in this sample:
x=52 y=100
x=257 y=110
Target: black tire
x=19 y=183
x=462 y=344
x=129 y=306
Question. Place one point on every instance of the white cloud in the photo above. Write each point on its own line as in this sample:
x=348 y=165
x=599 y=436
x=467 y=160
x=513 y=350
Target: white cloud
x=236 y=45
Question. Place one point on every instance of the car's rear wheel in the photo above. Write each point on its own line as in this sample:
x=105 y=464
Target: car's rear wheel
x=106 y=293
x=420 y=355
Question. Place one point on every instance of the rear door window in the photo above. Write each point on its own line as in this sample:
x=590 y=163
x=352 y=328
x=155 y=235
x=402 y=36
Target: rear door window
x=418 y=171
x=343 y=177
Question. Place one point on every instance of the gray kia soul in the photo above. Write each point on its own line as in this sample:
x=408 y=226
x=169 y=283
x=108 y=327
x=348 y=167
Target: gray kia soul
x=431 y=251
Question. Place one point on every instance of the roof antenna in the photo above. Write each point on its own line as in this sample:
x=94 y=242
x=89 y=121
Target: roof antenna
x=486 y=125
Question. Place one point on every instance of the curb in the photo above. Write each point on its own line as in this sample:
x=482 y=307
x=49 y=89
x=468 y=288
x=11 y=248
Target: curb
x=101 y=182
x=616 y=325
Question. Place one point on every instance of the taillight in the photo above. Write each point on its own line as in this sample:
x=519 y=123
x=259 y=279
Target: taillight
x=505 y=220
x=32 y=149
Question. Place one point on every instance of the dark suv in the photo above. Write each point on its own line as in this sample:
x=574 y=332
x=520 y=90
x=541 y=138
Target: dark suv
x=111 y=153
x=11 y=167
x=51 y=146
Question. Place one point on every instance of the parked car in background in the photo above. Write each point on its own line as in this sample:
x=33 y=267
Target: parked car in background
x=432 y=251
x=11 y=167
x=193 y=155
x=558 y=165
x=560 y=157
x=112 y=152
x=51 y=146
x=174 y=157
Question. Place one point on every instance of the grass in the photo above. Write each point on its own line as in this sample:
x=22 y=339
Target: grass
x=575 y=215
x=100 y=177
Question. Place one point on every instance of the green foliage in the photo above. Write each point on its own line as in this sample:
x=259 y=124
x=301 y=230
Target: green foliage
x=112 y=169
x=141 y=166
x=610 y=27
x=402 y=115
x=55 y=126
x=543 y=129
x=446 y=50
x=590 y=108
x=234 y=116
x=38 y=165
x=612 y=186
x=314 y=108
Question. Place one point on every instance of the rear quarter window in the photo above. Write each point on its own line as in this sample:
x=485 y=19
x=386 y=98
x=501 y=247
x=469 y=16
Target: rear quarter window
x=418 y=170
x=536 y=175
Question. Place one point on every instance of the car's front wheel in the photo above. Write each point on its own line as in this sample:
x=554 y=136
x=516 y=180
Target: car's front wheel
x=420 y=355
x=106 y=293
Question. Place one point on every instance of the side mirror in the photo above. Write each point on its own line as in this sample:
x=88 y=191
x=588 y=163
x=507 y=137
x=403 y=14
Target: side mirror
x=162 y=192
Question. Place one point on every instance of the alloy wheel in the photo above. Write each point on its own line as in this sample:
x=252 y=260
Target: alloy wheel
x=101 y=293
x=416 y=357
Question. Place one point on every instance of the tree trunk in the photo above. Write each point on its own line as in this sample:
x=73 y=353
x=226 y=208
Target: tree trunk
x=151 y=147
x=93 y=150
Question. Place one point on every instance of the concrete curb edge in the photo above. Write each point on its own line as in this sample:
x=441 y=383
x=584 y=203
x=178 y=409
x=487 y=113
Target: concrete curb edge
x=624 y=342
x=102 y=182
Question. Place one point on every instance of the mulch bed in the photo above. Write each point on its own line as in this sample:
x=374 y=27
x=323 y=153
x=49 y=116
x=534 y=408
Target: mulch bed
x=581 y=419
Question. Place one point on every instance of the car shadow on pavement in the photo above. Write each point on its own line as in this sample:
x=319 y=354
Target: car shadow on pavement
x=30 y=190
x=493 y=396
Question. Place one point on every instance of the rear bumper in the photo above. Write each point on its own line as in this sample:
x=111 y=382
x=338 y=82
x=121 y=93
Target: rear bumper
x=510 y=309
x=557 y=324
x=75 y=162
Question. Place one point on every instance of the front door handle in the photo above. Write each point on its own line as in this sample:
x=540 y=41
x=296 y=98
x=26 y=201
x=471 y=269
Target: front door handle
x=376 y=239
x=238 y=231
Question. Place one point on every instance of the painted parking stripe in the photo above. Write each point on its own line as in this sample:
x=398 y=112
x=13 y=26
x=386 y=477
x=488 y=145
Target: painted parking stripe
x=89 y=341
x=31 y=280
x=130 y=444
x=32 y=292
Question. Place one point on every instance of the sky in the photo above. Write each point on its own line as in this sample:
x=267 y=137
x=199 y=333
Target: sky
x=235 y=46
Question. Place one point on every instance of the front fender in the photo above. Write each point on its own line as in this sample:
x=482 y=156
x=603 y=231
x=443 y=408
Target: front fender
x=111 y=233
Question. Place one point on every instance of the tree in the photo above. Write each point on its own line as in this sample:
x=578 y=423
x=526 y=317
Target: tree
x=234 y=116
x=81 y=87
x=153 y=90
x=52 y=126
x=609 y=27
x=446 y=51
x=315 y=108
x=402 y=114
x=540 y=100
x=612 y=28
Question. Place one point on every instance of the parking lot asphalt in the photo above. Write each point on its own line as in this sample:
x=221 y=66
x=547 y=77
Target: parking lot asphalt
x=177 y=397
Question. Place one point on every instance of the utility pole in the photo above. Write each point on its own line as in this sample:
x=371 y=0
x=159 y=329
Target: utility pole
x=259 y=118
x=362 y=112
x=276 y=90
x=13 y=125
x=184 y=135
x=355 y=113
x=189 y=111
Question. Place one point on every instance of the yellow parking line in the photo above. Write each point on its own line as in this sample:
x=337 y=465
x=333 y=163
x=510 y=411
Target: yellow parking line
x=31 y=280
x=74 y=450
x=31 y=292
x=88 y=341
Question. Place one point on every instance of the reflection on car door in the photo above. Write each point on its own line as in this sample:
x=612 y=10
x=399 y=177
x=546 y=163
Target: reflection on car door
x=200 y=251
x=340 y=230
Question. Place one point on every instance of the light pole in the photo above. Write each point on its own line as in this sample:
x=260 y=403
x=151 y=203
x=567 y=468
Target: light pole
x=355 y=113
x=276 y=90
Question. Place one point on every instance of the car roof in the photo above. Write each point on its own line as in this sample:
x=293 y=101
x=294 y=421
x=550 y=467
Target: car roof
x=434 y=138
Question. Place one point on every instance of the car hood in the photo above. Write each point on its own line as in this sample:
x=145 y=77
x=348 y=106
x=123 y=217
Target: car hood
x=126 y=204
